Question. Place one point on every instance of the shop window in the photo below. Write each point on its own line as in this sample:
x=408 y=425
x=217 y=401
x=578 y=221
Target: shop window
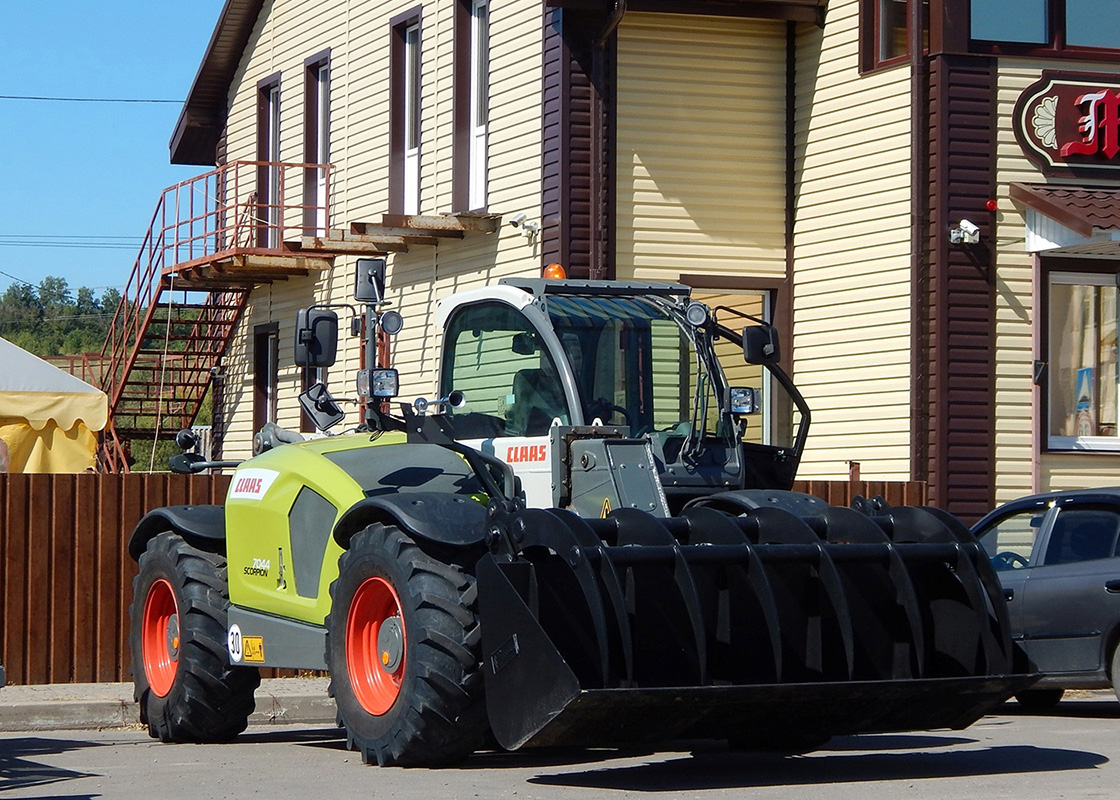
x=1081 y=364
x=886 y=32
x=1056 y=26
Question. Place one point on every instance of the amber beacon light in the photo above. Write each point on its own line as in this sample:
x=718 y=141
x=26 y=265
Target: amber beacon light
x=554 y=272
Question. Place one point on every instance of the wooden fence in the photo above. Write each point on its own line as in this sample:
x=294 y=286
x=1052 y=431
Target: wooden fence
x=66 y=577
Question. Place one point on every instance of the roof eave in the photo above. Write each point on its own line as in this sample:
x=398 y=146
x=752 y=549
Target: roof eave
x=199 y=127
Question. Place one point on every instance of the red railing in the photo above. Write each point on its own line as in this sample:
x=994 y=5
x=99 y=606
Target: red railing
x=241 y=207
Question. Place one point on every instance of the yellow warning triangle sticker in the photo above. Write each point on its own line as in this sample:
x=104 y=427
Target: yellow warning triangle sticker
x=606 y=508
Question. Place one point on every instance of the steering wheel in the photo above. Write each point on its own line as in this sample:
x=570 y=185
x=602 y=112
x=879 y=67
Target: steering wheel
x=602 y=409
x=1009 y=560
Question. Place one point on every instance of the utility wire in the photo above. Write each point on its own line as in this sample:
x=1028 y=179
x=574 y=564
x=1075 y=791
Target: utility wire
x=40 y=98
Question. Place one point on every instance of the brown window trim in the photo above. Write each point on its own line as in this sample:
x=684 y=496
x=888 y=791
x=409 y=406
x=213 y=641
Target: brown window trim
x=264 y=90
x=869 y=22
x=265 y=336
x=311 y=67
x=1047 y=265
x=461 y=110
x=1055 y=48
x=398 y=26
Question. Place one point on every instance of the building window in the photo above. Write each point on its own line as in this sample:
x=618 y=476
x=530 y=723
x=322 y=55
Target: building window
x=472 y=101
x=1046 y=25
x=886 y=32
x=316 y=142
x=1082 y=358
x=268 y=157
x=266 y=372
x=480 y=72
x=404 y=171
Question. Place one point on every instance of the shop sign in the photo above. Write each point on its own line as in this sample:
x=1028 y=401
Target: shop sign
x=1069 y=123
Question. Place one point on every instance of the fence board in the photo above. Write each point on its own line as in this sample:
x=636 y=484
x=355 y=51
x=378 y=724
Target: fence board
x=67 y=576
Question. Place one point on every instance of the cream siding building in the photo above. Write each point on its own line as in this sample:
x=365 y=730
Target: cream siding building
x=789 y=158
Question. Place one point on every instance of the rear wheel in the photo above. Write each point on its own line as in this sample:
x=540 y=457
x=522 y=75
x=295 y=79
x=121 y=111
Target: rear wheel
x=403 y=649
x=1040 y=700
x=186 y=688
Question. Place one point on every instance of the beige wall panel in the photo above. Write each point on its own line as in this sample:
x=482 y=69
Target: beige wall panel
x=700 y=167
x=852 y=254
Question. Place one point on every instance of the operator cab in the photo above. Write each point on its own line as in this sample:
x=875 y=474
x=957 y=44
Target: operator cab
x=532 y=354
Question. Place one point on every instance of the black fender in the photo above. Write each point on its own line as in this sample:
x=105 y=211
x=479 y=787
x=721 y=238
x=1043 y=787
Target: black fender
x=438 y=517
x=203 y=527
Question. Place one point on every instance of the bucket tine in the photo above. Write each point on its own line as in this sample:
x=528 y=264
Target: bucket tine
x=666 y=620
x=547 y=532
x=886 y=618
x=618 y=658
x=819 y=644
x=744 y=633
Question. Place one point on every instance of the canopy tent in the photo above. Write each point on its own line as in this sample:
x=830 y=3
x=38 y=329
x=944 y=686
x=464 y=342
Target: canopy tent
x=48 y=418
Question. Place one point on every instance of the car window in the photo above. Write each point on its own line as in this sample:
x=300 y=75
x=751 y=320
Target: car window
x=1083 y=534
x=1008 y=541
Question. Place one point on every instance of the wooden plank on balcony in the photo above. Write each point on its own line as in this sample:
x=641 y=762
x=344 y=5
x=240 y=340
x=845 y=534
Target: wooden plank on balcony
x=353 y=243
x=410 y=234
x=468 y=223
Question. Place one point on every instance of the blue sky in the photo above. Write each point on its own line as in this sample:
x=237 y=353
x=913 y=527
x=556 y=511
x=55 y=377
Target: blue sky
x=79 y=181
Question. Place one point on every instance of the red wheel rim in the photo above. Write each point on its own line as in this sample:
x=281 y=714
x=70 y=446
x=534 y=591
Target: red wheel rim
x=159 y=637
x=375 y=672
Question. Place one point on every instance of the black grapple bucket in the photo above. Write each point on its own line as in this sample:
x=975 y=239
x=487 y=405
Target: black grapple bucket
x=758 y=624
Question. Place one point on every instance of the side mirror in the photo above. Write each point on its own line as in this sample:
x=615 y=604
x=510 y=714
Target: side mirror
x=760 y=344
x=369 y=280
x=318 y=404
x=316 y=337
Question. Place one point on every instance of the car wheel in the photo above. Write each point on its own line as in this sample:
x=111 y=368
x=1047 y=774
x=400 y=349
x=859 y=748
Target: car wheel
x=1040 y=700
x=403 y=647
x=185 y=685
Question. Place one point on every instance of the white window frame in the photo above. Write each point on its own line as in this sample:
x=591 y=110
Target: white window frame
x=272 y=235
x=1075 y=443
x=479 y=102
x=411 y=132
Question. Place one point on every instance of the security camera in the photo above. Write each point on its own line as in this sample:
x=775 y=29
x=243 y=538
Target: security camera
x=965 y=233
x=517 y=220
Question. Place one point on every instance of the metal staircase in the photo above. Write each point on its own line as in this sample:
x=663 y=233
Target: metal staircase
x=209 y=242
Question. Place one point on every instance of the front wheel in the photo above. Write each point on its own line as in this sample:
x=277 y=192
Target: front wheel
x=185 y=685
x=403 y=650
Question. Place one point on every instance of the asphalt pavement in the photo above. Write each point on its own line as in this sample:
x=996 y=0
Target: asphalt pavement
x=95 y=706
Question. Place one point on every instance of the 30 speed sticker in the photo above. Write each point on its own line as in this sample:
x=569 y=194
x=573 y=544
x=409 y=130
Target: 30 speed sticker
x=233 y=642
x=254 y=649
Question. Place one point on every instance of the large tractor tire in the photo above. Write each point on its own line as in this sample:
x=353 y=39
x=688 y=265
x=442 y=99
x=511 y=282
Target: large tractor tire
x=186 y=688
x=403 y=648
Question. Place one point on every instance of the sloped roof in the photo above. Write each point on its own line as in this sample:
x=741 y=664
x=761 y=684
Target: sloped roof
x=1079 y=209
x=203 y=117
x=195 y=140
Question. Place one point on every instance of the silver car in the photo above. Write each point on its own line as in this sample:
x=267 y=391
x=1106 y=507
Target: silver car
x=1058 y=558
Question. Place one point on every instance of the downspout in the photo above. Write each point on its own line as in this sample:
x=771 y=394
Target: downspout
x=919 y=231
x=612 y=25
